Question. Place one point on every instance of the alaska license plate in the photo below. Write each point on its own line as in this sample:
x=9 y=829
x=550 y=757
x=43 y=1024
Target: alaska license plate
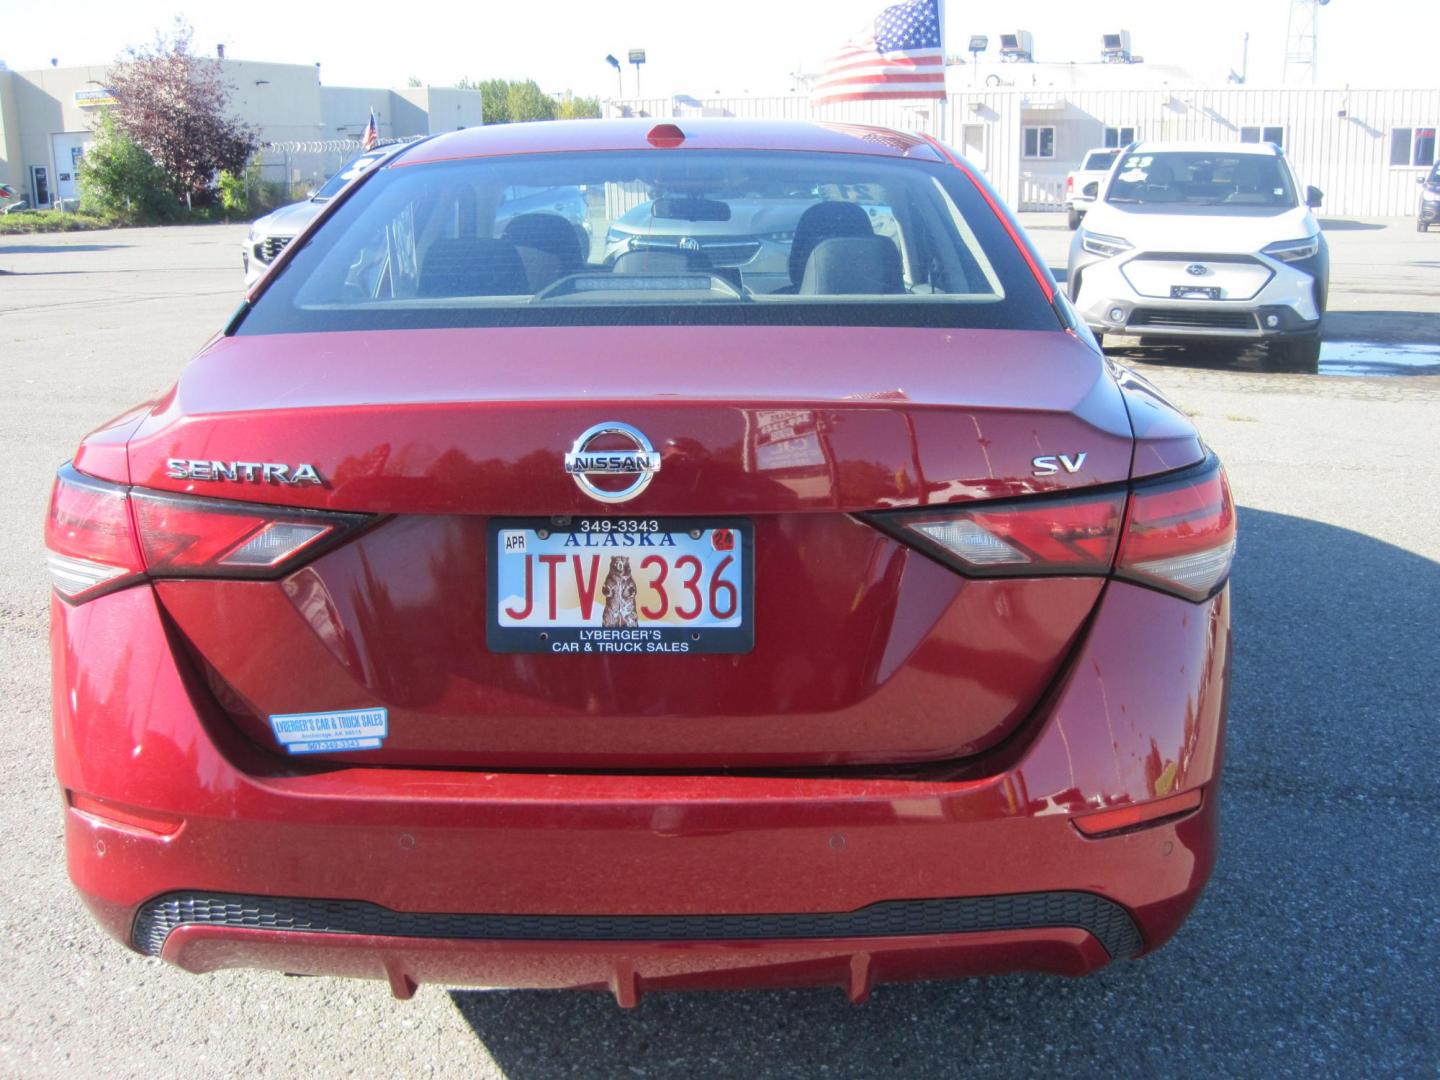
x=620 y=586
x=1194 y=292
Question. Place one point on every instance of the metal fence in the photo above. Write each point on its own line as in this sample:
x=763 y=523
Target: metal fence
x=1340 y=140
x=293 y=169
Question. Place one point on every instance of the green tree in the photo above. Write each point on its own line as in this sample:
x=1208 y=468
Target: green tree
x=528 y=102
x=509 y=101
x=577 y=108
x=118 y=176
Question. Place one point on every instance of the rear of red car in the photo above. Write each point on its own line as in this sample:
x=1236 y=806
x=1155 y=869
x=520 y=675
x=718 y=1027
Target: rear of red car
x=481 y=609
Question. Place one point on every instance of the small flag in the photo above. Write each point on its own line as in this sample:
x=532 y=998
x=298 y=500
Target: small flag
x=372 y=135
x=900 y=55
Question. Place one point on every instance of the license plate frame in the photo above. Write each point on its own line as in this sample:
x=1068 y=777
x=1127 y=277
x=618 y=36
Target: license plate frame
x=648 y=638
x=1194 y=292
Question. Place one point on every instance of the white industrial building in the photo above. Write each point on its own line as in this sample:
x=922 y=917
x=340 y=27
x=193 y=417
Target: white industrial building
x=1364 y=148
x=46 y=117
x=1024 y=124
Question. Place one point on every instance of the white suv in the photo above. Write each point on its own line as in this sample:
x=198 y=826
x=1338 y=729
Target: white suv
x=1204 y=241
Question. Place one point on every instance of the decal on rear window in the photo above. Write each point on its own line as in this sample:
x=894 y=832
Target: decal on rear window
x=331 y=732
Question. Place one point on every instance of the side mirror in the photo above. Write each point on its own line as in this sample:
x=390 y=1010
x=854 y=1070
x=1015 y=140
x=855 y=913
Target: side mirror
x=1091 y=190
x=1314 y=196
x=1420 y=180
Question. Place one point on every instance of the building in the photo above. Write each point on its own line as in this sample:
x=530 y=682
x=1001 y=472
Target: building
x=306 y=129
x=1027 y=125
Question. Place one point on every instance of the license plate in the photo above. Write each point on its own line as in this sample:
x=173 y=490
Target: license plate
x=1194 y=292
x=620 y=586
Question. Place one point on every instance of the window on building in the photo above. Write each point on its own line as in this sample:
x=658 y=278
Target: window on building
x=1412 y=146
x=1119 y=137
x=1261 y=134
x=1039 y=142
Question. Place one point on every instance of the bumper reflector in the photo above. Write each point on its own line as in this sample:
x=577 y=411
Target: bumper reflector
x=1137 y=815
x=124 y=817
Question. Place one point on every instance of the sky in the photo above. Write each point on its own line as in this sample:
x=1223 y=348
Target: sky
x=699 y=47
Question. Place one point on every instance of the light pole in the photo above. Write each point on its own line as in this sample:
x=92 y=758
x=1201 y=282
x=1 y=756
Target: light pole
x=978 y=44
x=637 y=57
x=619 y=73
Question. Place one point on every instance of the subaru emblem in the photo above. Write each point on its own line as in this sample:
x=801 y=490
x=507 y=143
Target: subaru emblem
x=1197 y=270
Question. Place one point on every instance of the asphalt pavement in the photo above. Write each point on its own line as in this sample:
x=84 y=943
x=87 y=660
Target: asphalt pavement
x=1315 y=950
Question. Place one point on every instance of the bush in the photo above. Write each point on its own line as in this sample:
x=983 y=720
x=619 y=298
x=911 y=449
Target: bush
x=49 y=221
x=234 y=194
x=118 y=178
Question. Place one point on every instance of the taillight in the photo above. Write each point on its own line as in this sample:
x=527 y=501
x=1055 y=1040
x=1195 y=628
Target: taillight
x=1072 y=535
x=1177 y=534
x=186 y=537
x=1180 y=533
x=90 y=537
x=102 y=536
x=1069 y=184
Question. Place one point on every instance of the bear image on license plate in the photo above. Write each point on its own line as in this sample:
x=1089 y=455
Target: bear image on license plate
x=620 y=586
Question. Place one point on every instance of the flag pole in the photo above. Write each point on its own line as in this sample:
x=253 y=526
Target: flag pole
x=945 y=76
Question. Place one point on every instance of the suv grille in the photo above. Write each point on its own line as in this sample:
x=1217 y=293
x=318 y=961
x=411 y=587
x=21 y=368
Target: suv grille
x=272 y=246
x=725 y=251
x=1193 y=320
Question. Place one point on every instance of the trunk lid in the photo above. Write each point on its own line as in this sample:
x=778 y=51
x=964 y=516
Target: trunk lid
x=865 y=650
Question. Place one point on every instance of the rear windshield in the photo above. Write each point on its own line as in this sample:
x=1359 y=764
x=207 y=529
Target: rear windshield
x=657 y=237
x=1099 y=160
x=1200 y=178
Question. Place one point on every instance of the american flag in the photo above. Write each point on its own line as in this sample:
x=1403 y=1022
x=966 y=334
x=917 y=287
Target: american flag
x=371 y=138
x=902 y=55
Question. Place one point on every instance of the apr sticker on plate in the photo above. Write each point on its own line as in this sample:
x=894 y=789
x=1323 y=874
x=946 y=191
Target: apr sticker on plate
x=329 y=732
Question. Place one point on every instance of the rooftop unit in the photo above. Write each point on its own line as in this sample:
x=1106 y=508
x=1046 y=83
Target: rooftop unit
x=1017 y=47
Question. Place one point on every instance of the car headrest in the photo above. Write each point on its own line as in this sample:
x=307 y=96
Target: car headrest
x=822 y=222
x=472 y=266
x=863 y=265
x=549 y=233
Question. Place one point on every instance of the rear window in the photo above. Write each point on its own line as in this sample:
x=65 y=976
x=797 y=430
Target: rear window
x=1099 y=160
x=657 y=237
x=1201 y=178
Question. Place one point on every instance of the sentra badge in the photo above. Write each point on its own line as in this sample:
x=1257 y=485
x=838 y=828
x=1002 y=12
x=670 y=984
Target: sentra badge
x=242 y=472
x=639 y=459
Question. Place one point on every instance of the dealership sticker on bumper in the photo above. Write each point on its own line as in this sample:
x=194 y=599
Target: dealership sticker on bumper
x=328 y=732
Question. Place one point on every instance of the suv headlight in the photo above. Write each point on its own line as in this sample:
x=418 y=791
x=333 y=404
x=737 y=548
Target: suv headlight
x=1293 y=250
x=1100 y=244
x=1431 y=196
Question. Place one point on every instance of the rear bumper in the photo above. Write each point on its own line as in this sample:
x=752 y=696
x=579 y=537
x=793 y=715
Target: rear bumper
x=636 y=882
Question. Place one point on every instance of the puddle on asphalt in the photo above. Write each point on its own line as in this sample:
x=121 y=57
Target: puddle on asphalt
x=1350 y=358
x=1369 y=358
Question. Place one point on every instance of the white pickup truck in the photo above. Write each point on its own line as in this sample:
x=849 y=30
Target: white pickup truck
x=1083 y=184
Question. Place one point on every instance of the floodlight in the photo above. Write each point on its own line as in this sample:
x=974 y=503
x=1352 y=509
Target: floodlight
x=979 y=43
x=1017 y=47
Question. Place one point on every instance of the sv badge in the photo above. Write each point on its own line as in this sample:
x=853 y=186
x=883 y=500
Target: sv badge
x=1050 y=464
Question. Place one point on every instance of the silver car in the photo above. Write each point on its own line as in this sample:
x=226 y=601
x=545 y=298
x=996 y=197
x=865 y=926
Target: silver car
x=751 y=238
x=269 y=234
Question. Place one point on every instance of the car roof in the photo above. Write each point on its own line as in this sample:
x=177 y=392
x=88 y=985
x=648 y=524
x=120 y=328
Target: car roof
x=1213 y=146
x=555 y=136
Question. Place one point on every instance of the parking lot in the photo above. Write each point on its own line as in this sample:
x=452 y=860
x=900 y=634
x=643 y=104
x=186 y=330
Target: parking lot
x=1316 y=948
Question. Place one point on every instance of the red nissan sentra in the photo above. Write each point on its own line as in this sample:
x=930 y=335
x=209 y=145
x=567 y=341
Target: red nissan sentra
x=523 y=605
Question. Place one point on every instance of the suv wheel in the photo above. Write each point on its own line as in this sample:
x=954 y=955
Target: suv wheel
x=1074 y=217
